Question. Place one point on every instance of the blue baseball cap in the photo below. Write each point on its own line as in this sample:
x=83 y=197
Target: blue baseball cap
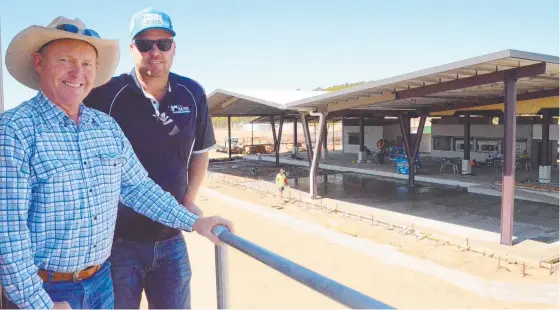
x=149 y=18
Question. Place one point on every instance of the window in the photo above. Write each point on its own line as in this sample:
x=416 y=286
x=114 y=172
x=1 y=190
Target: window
x=353 y=138
x=520 y=147
x=441 y=143
x=460 y=145
x=488 y=146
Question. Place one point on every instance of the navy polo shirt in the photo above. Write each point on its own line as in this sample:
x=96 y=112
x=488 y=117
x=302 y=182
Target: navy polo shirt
x=165 y=135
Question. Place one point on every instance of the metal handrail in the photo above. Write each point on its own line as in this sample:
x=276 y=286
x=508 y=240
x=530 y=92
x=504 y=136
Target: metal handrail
x=326 y=286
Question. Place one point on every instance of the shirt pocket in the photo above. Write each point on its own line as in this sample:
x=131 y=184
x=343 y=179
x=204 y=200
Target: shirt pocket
x=107 y=169
x=57 y=182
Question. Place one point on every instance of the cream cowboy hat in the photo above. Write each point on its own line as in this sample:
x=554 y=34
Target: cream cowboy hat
x=19 y=60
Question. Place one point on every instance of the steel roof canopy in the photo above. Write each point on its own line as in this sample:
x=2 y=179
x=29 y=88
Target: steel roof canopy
x=253 y=102
x=474 y=81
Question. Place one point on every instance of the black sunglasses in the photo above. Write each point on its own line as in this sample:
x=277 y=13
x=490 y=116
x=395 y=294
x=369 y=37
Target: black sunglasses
x=74 y=29
x=146 y=45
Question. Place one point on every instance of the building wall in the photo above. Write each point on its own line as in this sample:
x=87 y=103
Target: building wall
x=391 y=132
x=488 y=131
x=372 y=134
x=425 y=144
x=524 y=133
x=553 y=132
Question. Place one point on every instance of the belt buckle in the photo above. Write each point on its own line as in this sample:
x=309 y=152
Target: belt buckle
x=76 y=276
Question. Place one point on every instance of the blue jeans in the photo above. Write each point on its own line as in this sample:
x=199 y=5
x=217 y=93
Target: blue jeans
x=92 y=293
x=160 y=268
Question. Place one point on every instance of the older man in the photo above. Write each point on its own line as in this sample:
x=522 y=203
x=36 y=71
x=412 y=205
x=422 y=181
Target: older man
x=165 y=116
x=63 y=169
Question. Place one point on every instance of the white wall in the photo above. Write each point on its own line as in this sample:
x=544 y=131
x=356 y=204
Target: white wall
x=523 y=132
x=372 y=134
x=478 y=156
x=487 y=131
x=390 y=132
x=537 y=132
x=425 y=144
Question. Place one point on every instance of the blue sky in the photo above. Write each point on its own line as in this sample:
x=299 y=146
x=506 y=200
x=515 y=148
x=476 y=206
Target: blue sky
x=306 y=43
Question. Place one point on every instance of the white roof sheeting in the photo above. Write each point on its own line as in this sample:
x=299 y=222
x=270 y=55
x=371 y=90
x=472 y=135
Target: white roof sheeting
x=382 y=94
x=254 y=102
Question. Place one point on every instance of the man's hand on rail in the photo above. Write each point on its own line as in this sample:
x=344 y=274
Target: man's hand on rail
x=61 y=305
x=204 y=225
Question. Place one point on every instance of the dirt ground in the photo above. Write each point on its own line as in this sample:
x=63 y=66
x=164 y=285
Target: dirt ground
x=473 y=263
x=253 y=285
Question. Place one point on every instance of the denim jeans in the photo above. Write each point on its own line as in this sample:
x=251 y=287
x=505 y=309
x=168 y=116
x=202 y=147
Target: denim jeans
x=160 y=268
x=92 y=293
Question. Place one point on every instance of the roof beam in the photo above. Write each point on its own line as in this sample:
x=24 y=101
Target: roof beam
x=481 y=79
x=366 y=113
x=383 y=97
x=496 y=100
x=229 y=102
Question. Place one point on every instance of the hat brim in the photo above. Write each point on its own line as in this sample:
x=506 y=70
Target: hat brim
x=19 y=62
x=171 y=31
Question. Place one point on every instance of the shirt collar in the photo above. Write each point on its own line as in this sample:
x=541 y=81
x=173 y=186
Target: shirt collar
x=137 y=83
x=54 y=113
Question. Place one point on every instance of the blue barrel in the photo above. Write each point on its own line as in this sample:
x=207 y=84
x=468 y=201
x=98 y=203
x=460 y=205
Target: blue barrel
x=402 y=166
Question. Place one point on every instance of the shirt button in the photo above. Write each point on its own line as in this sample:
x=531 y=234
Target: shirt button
x=85 y=163
x=91 y=190
x=95 y=218
x=95 y=245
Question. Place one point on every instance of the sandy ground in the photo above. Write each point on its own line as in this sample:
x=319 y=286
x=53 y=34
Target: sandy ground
x=485 y=267
x=256 y=286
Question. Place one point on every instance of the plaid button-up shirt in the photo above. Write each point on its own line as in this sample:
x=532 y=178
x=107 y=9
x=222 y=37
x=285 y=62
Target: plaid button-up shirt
x=59 y=188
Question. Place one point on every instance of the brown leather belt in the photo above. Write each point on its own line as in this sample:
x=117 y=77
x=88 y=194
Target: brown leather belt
x=68 y=276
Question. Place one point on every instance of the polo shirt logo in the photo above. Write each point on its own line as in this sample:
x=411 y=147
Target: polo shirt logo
x=179 y=109
x=164 y=119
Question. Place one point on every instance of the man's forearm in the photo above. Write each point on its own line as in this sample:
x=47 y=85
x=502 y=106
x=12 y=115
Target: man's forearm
x=197 y=173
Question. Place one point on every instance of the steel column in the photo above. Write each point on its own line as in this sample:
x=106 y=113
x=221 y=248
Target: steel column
x=313 y=184
x=414 y=151
x=411 y=149
x=546 y=138
x=279 y=140
x=508 y=181
x=295 y=149
x=546 y=160
x=333 y=146
x=325 y=153
x=362 y=138
x=307 y=135
x=229 y=135
x=466 y=165
x=274 y=137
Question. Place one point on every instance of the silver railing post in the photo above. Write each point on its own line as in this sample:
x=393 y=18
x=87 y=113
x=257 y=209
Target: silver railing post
x=222 y=285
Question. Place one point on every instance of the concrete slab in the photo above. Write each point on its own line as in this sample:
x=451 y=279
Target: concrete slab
x=450 y=212
x=485 y=183
x=549 y=198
